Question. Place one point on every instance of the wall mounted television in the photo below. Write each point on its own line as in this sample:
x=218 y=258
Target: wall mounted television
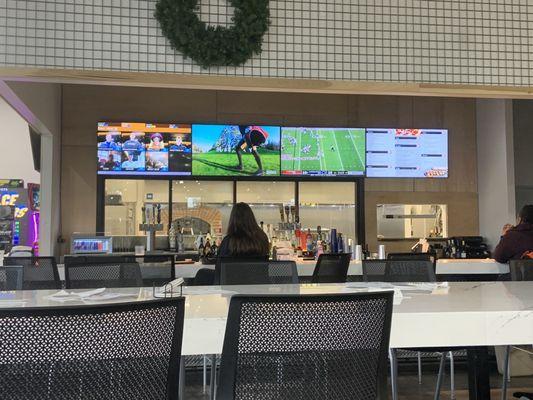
x=406 y=153
x=201 y=150
x=235 y=150
x=322 y=151
x=128 y=148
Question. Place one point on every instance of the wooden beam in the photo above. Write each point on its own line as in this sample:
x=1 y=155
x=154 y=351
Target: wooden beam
x=217 y=82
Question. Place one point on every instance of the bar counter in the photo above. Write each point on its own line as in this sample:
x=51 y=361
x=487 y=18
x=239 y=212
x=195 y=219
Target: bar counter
x=444 y=267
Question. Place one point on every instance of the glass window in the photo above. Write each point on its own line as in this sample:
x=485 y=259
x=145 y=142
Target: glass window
x=125 y=201
x=201 y=207
x=400 y=221
x=268 y=200
x=330 y=205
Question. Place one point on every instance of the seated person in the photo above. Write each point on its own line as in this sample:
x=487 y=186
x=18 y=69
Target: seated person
x=516 y=241
x=244 y=237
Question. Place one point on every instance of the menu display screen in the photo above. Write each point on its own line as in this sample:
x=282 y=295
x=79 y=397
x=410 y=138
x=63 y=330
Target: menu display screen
x=235 y=150
x=407 y=153
x=144 y=149
x=323 y=151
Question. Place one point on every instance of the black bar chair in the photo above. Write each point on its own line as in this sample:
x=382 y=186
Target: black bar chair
x=112 y=351
x=258 y=272
x=412 y=256
x=331 y=268
x=11 y=277
x=374 y=270
x=306 y=347
x=520 y=270
x=39 y=272
x=79 y=275
x=417 y=270
x=240 y=259
x=410 y=271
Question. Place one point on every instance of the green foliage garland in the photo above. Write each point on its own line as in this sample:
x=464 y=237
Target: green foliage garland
x=211 y=45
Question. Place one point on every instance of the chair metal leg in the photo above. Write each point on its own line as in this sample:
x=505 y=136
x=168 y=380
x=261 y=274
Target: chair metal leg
x=213 y=382
x=419 y=356
x=506 y=372
x=204 y=377
x=440 y=376
x=182 y=379
x=393 y=373
x=509 y=365
x=452 y=376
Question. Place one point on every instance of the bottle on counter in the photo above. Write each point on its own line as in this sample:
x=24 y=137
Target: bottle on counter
x=172 y=237
x=201 y=246
x=334 y=243
x=340 y=244
x=214 y=250
x=309 y=240
x=207 y=247
x=179 y=239
x=319 y=249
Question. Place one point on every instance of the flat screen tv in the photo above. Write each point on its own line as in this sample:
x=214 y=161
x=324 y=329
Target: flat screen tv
x=323 y=151
x=129 y=148
x=407 y=153
x=235 y=150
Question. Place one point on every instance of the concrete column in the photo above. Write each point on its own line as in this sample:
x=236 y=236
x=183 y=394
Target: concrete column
x=496 y=178
x=40 y=105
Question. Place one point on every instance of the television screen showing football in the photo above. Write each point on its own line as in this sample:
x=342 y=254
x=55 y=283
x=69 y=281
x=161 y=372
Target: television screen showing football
x=323 y=151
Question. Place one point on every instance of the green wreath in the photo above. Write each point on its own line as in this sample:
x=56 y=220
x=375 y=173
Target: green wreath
x=214 y=45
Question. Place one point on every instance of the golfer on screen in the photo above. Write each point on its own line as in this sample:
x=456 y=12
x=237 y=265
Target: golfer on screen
x=252 y=137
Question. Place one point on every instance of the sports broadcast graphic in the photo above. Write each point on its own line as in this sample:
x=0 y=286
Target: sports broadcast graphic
x=231 y=150
x=133 y=148
x=323 y=151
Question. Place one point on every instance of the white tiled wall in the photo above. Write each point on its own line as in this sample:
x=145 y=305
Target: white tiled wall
x=440 y=41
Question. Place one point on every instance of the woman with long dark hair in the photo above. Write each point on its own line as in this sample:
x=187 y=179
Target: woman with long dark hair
x=244 y=237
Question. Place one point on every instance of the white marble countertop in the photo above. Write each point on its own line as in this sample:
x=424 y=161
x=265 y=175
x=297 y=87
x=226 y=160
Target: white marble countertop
x=462 y=314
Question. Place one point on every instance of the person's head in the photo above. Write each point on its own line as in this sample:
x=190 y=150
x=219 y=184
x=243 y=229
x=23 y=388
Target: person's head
x=525 y=216
x=133 y=136
x=245 y=235
x=109 y=137
x=156 y=138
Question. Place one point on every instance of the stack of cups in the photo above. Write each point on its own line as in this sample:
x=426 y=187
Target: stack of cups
x=358 y=254
x=381 y=252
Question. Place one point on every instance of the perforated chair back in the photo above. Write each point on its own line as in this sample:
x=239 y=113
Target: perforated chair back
x=257 y=272
x=412 y=256
x=306 y=347
x=39 y=272
x=11 y=277
x=84 y=276
x=331 y=268
x=521 y=270
x=221 y=260
x=374 y=270
x=410 y=271
x=114 y=351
